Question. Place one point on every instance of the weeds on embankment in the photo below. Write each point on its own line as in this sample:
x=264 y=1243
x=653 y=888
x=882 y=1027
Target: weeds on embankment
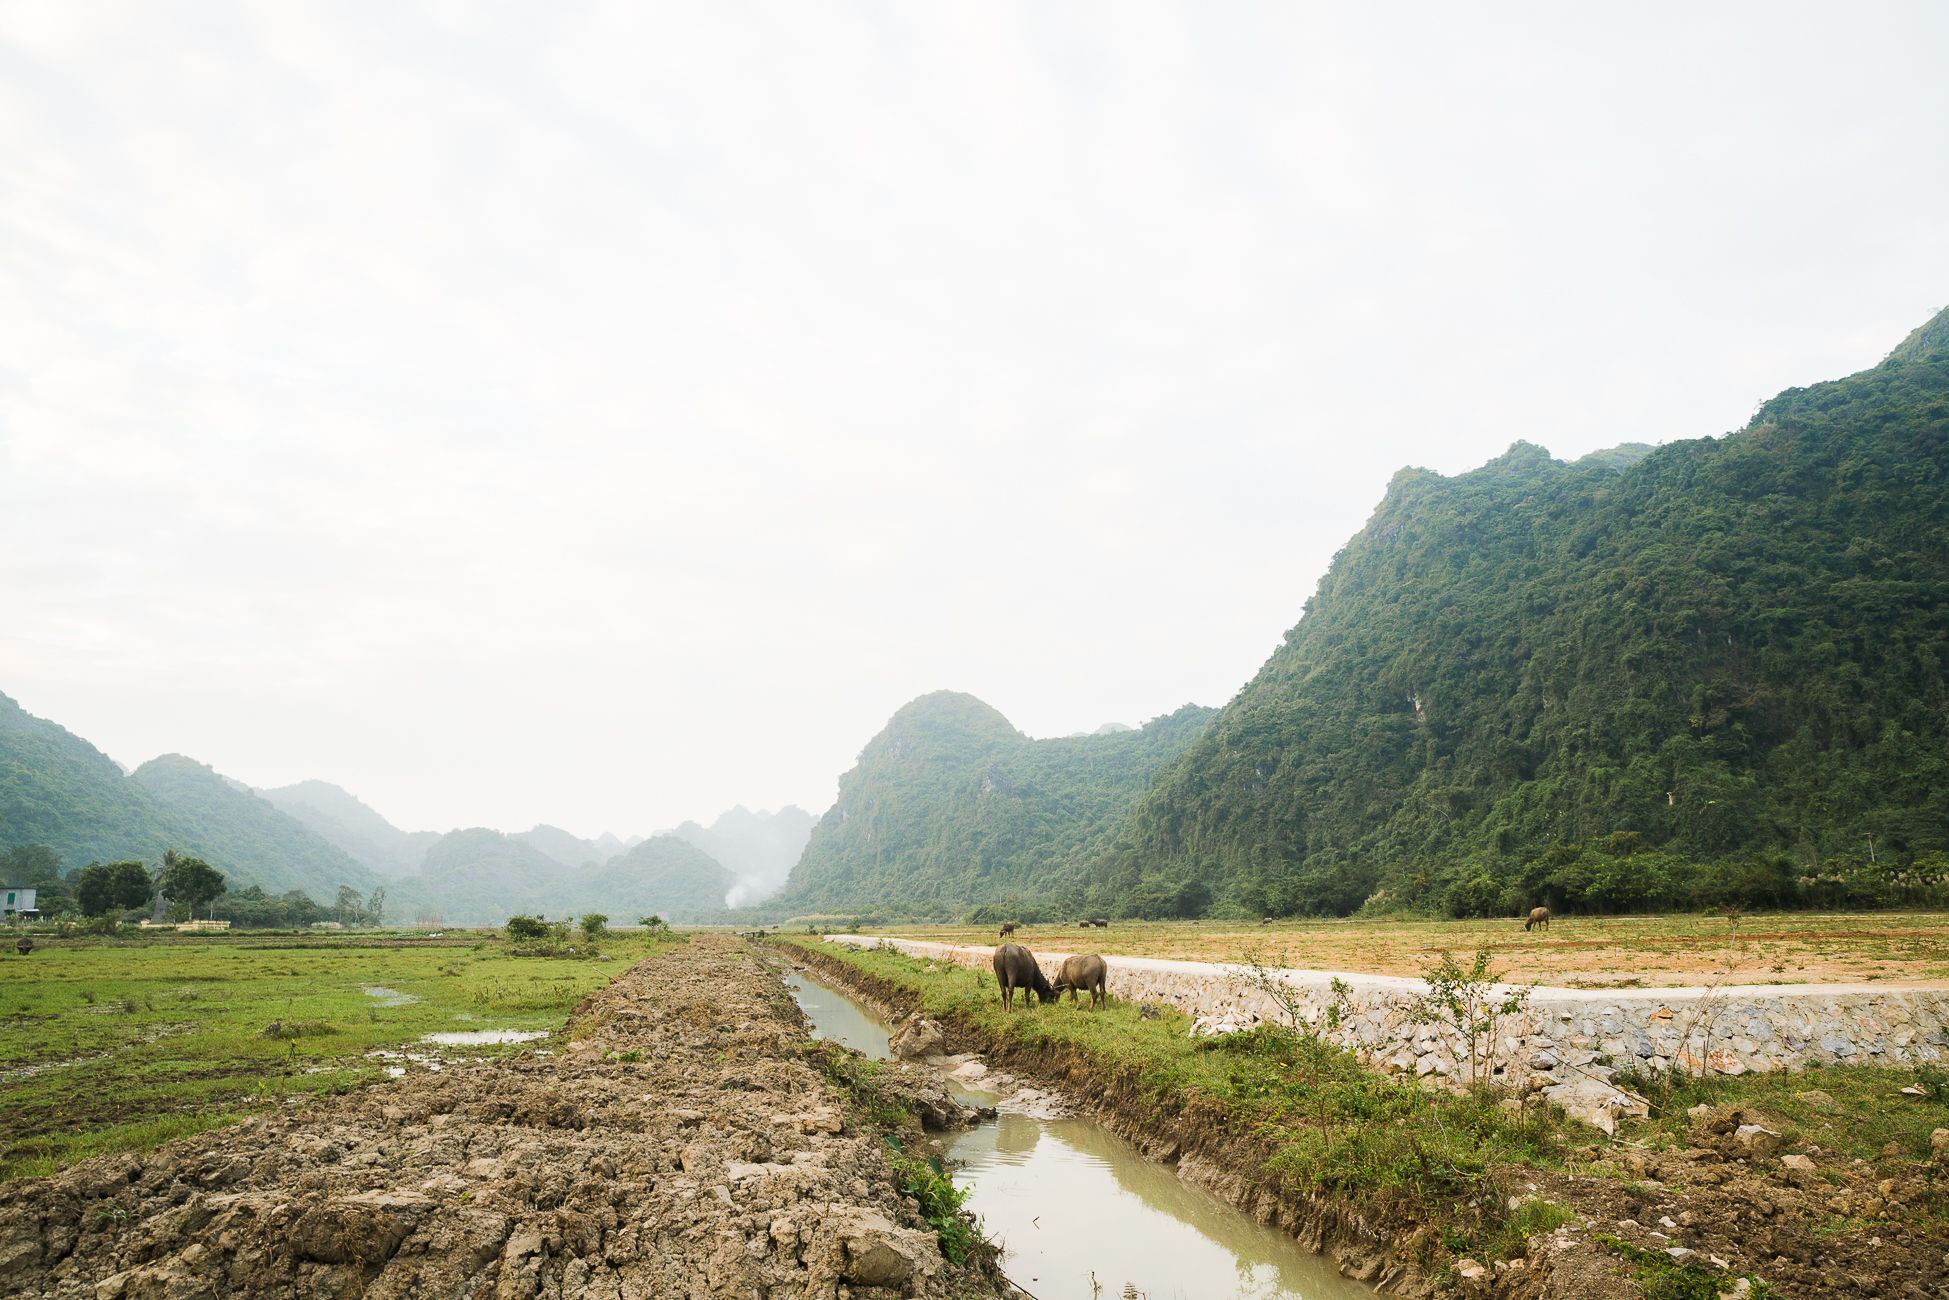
x=1307 y=1116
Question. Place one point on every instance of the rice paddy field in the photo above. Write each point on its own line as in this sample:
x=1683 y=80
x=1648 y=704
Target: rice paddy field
x=1898 y=948
x=121 y=1044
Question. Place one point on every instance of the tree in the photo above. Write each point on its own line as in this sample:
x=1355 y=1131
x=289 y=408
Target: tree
x=375 y=907
x=192 y=881
x=527 y=927
x=113 y=887
x=592 y=924
x=351 y=905
x=1469 y=1003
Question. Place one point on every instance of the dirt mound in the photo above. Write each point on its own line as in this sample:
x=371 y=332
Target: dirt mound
x=685 y=1146
x=1732 y=1204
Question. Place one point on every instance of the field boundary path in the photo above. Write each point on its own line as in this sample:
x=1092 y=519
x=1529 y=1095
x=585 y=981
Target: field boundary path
x=1578 y=1038
x=688 y=1143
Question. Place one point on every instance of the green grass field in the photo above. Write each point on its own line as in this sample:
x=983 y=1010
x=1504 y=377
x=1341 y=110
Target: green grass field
x=120 y=1044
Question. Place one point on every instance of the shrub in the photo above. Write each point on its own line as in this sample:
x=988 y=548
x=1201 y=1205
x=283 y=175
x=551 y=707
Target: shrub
x=526 y=927
x=592 y=925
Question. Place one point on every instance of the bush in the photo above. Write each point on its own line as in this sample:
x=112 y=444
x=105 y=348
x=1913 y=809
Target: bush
x=527 y=927
x=592 y=925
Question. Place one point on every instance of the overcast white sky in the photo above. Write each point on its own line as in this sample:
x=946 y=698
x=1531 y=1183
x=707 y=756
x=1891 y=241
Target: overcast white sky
x=603 y=414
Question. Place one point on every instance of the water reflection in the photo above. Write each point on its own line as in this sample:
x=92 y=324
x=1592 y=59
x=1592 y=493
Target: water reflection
x=838 y=1017
x=1077 y=1208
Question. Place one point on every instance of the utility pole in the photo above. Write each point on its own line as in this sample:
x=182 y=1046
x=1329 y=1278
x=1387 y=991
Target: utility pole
x=1870 y=837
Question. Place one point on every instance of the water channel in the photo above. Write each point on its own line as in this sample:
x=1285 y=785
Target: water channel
x=1083 y=1216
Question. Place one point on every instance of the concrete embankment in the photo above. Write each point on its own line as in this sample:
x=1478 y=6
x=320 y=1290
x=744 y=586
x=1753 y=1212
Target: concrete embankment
x=713 y=1159
x=1579 y=1038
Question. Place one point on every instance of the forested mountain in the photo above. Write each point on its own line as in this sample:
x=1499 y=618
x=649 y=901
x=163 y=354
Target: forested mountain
x=569 y=850
x=1710 y=671
x=482 y=877
x=660 y=874
x=950 y=806
x=248 y=837
x=57 y=789
x=347 y=821
x=759 y=847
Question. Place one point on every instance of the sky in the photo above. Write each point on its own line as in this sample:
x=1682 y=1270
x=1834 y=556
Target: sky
x=604 y=414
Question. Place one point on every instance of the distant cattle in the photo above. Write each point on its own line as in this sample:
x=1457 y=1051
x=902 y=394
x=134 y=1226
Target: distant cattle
x=1008 y=928
x=1015 y=968
x=1087 y=973
x=1100 y=923
x=1538 y=916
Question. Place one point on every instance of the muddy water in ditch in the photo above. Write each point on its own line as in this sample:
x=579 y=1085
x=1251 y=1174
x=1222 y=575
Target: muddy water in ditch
x=1083 y=1216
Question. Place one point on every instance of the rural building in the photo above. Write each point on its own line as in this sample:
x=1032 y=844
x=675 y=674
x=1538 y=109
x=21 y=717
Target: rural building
x=19 y=902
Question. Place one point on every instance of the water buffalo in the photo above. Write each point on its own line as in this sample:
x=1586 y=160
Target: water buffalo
x=1015 y=968
x=1538 y=916
x=1100 y=923
x=1008 y=928
x=1088 y=973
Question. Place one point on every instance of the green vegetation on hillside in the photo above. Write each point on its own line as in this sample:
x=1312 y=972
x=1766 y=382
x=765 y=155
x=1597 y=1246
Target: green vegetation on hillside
x=248 y=837
x=58 y=790
x=480 y=876
x=951 y=807
x=1710 y=675
x=347 y=821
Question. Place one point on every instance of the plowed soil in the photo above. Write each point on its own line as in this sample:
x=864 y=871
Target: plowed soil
x=688 y=1144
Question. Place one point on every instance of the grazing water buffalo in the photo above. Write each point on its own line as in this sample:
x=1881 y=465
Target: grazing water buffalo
x=1088 y=973
x=1538 y=916
x=1015 y=968
x=1100 y=923
x=1008 y=928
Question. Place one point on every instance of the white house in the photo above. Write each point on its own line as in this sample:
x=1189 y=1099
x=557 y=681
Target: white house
x=17 y=901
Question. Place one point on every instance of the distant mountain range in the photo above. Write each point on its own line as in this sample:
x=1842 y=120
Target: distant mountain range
x=58 y=790
x=761 y=847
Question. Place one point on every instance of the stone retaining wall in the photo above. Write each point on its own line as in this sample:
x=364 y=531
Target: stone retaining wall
x=1572 y=1035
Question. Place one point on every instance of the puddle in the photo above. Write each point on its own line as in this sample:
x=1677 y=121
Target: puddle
x=389 y=997
x=1082 y=1215
x=485 y=1037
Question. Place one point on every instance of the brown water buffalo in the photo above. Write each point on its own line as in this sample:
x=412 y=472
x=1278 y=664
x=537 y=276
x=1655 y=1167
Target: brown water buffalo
x=1015 y=968
x=1537 y=916
x=1100 y=923
x=1008 y=928
x=1088 y=973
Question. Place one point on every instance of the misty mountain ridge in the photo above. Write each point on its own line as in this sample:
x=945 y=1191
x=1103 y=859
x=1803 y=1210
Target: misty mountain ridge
x=354 y=826
x=760 y=848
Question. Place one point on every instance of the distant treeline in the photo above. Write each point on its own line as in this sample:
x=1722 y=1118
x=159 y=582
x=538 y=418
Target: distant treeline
x=191 y=887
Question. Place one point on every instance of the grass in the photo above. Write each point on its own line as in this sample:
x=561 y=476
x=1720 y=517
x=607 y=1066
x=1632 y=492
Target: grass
x=115 y=1044
x=1597 y=951
x=1398 y=1151
x=1855 y=1111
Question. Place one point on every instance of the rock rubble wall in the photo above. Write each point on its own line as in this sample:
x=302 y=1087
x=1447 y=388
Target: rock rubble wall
x=1567 y=1034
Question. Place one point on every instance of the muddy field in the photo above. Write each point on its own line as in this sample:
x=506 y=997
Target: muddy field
x=1898 y=948
x=690 y=1143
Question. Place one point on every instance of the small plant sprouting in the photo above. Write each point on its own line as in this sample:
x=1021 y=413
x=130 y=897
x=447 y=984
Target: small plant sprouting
x=1469 y=1002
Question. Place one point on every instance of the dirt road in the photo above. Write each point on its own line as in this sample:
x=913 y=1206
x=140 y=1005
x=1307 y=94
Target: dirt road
x=721 y=1163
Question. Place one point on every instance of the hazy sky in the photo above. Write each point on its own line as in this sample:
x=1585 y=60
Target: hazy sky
x=604 y=414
